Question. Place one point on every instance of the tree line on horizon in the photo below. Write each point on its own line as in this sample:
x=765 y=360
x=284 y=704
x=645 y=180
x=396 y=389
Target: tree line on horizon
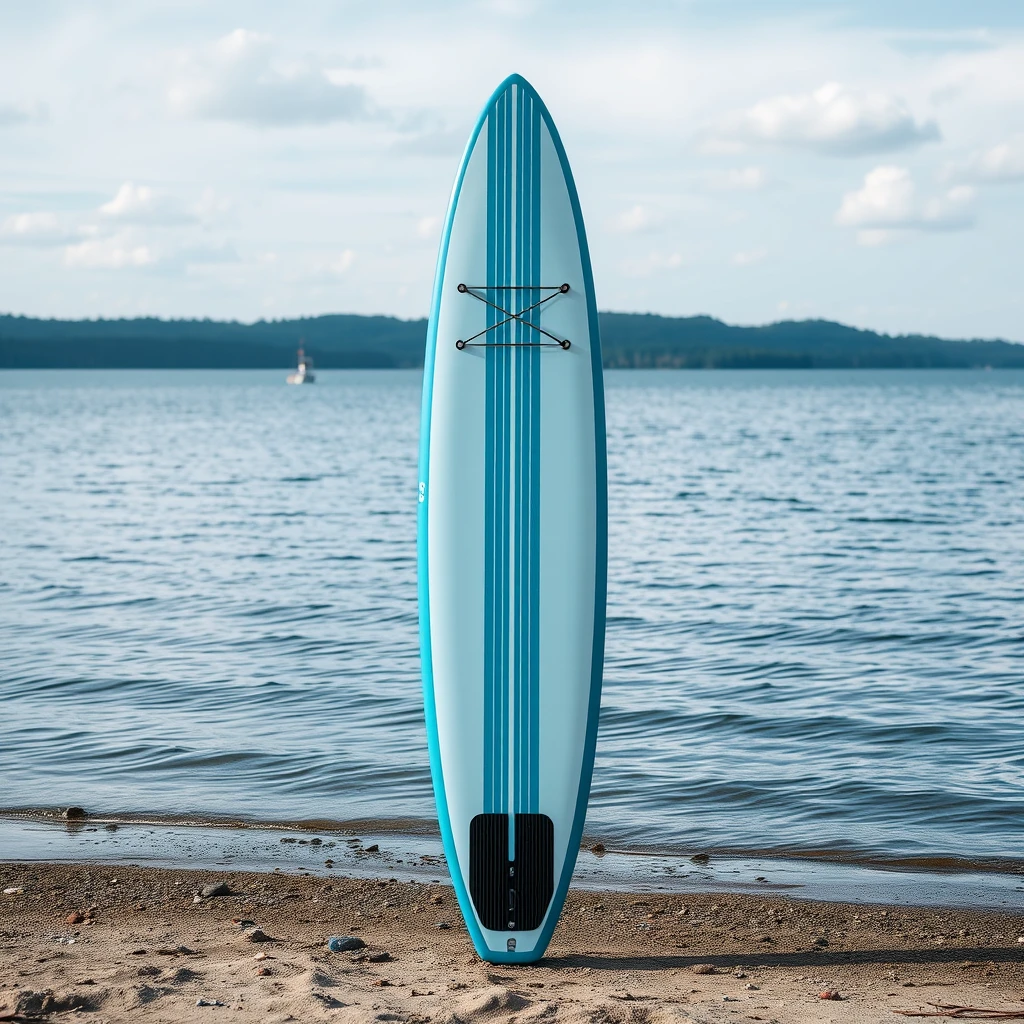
x=350 y=341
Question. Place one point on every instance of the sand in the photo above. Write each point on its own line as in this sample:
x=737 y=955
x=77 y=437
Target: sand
x=151 y=952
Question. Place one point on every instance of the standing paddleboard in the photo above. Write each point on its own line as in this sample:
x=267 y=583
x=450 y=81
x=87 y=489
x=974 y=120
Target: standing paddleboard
x=512 y=528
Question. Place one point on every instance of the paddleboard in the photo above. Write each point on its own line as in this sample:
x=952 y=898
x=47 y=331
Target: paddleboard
x=512 y=528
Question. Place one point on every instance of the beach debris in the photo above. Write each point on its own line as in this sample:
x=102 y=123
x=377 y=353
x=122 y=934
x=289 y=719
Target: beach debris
x=963 y=1012
x=289 y=839
x=73 y=813
x=173 y=951
x=1020 y=939
x=598 y=848
x=704 y=969
x=373 y=848
x=740 y=974
x=257 y=935
x=751 y=988
x=729 y=999
x=700 y=858
x=263 y=971
x=209 y=1002
x=344 y=943
x=384 y=983
x=443 y=926
x=381 y=956
x=821 y=941
x=243 y=923
x=437 y=899
x=316 y=842
x=14 y=890
x=329 y=863
x=75 y=917
x=215 y=889
x=829 y=993
x=112 y=827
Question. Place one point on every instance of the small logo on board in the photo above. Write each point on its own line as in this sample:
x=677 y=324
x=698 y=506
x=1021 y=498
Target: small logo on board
x=511 y=945
x=423 y=490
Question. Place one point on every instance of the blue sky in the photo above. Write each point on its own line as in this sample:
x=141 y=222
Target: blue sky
x=754 y=161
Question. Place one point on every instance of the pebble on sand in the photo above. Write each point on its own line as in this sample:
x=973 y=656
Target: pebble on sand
x=704 y=969
x=73 y=813
x=829 y=993
x=344 y=943
x=700 y=858
x=215 y=889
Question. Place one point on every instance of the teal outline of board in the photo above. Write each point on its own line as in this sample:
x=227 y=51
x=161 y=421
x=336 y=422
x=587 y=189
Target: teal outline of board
x=600 y=564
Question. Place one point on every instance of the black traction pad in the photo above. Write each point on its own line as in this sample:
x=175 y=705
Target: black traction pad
x=511 y=895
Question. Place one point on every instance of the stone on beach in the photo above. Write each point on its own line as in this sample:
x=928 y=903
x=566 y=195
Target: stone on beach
x=215 y=889
x=344 y=943
x=73 y=813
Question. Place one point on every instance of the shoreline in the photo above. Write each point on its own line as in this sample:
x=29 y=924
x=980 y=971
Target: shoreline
x=410 y=852
x=155 y=947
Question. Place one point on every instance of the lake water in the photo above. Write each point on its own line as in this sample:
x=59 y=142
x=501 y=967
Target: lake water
x=816 y=605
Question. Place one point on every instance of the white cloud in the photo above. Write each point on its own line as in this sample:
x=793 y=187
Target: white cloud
x=243 y=78
x=427 y=227
x=749 y=257
x=343 y=263
x=637 y=219
x=888 y=202
x=118 y=252
x=654 y=262
x=18 y=113
x=42 y=228
x=140 y=204
x=831 y=120
x=738 y=179
x=998 y=164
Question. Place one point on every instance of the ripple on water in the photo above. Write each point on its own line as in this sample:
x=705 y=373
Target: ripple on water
x=208 y=604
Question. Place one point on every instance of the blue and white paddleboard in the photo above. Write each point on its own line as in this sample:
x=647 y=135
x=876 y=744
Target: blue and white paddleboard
x=512 y=528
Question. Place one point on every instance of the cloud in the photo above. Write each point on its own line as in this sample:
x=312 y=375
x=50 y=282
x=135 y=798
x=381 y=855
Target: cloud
x=427 y=227
x=749 y=257
x=637 y=219
x=997 y=165
x=343 y=263
x=13 y=114
x=118 y=252
x=42 y=228
x=140 y=204
x=654 y=262
x=738 y=179
x=831 y=120
x=887 y=202
x=243 y=79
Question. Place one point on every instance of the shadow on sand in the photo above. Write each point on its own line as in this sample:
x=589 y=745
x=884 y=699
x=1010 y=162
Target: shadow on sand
x=978 y=957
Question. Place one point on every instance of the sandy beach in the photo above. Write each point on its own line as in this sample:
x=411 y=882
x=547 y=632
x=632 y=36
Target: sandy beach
x=100 y=943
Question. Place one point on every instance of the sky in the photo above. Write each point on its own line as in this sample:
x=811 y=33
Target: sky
x=753 y=160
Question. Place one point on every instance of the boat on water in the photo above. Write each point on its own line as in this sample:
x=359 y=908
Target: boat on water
x=304 y=374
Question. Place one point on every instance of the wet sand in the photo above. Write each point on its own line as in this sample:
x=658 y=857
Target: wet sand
x=153 y=951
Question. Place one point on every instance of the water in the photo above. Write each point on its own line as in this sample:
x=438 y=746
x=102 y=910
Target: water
x=816 y=605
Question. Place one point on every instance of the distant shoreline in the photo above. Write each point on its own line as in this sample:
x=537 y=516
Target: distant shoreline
x=347 y=341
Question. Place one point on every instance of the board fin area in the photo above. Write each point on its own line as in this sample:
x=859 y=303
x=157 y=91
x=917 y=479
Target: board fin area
x=511 y=895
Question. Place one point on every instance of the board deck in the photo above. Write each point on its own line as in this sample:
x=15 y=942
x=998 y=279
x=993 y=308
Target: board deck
x=512 y=528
